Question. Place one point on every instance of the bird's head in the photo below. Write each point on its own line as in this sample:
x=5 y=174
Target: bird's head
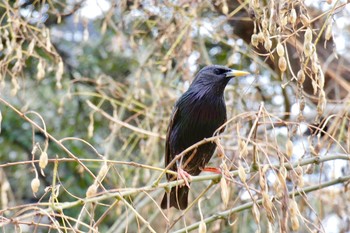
x=214 y=78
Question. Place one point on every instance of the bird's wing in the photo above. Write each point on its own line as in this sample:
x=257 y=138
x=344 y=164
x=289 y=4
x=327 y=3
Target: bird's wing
x=173 y=119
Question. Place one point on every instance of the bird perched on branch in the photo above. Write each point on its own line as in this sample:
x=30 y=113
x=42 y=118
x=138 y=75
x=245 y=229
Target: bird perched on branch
x=199 y=112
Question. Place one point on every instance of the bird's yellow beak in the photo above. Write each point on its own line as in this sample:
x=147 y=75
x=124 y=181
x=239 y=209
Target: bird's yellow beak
x=236 y=73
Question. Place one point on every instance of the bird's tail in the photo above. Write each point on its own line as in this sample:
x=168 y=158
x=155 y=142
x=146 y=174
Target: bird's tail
x=178 y=198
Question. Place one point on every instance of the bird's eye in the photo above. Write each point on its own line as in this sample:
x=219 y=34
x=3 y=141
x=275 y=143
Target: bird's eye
x=217 y=71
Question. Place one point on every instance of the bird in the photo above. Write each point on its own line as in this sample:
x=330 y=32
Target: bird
x=197 y=114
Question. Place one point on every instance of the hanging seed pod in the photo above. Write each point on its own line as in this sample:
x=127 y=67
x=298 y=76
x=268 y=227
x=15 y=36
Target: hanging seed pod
x=305 y=20
x=43 y=160
x=289 y=148
x=302 y=104
x=225 y=192
x=256 y=213
x=261 y=37
x=295 y=223
x=293 y=207
x=308 y=35
x=280 y=49
x=314 y=67
x=293 y=16
x=328 y=33
x=301 y=76
x=91 y=191
x=202 y=228
x=35 y=184
x=241 y=173
x=284 y=21
x=308 y=49
x=320 y=78
x=282 y=64
x=255 y=40
x=267 y=44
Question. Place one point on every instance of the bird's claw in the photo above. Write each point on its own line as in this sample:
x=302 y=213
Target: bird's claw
x=182 y=174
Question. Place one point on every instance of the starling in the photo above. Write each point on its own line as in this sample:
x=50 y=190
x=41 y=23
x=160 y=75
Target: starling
x=198 y=113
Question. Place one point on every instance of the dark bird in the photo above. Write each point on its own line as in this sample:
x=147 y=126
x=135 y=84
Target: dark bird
x=199 y=112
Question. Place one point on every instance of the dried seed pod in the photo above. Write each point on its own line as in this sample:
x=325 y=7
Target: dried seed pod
x=293 y=16
x=320 y=77
x=35 y=184
x=225 y=192
x=308 y=35
x=295 y=223
x=314 y=67
x=224 y=8
x=289 y=148
x=255 y=40
x=310 y=169
x=241 y=173
x=103 y=170
x=262 y=182
x=280 y=49
x=267 y=44
x=256 y=213
x=293 y=207
x=301 y=76
x=43 y=160
x=305 y=20
x=202 y=228
x=302 y=104
x=41 y=70
x=243 y=150
x=329 y=2
x=261 y=37
x=308 y=49
x=284 y=21
x=91 y=191
x=282 y=64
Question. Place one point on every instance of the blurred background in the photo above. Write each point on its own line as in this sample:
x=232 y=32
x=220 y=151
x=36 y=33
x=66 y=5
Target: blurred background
x=86 y=94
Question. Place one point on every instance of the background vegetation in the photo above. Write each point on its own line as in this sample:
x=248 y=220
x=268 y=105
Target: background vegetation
x=86 y=93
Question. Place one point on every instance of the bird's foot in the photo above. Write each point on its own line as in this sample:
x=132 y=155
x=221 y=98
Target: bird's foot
x=212 y=169
x=182 y=174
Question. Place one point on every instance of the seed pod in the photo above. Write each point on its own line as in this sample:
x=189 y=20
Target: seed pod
x=43 y=160
x=41 y=70
x=329 y=2
x=293 y=16
x=91 y=191
x=35 y=184
x=243 y=150
x=295 y=223
x=284 y=21
x=289 y=148
x=255 y=40
x=328 y=33
x=280 y=49
x=310 y=169
x=314 y=67
x=241 y=173
x=301 y=76
x=202 y=228
x=305 y=20
x=224 y=8
x=261 y=37
x=256 y=213
x=302 y=105
x=282 y=64
x=225 y=192
x=268 y=44
x=308 y=35
x=293 y=207
x=308 y=49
